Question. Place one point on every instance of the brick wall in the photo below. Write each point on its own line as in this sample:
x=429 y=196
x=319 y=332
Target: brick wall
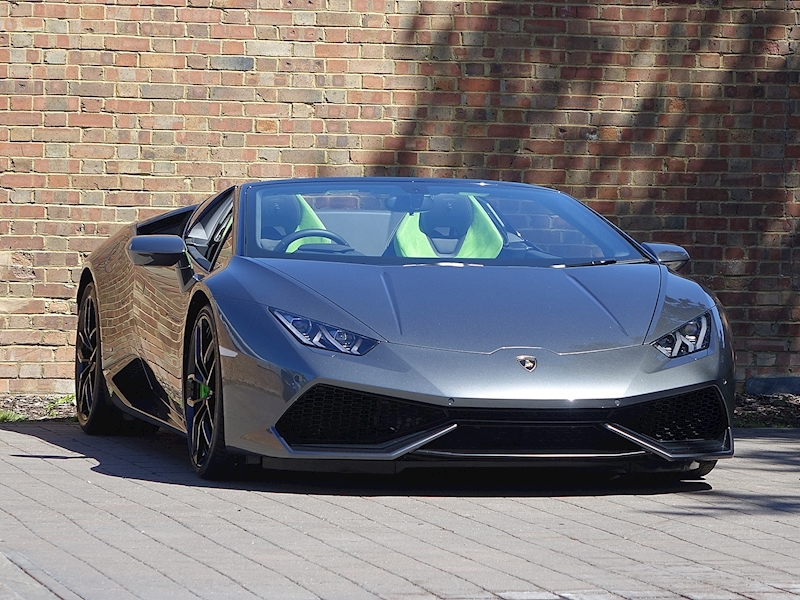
x=678 y=119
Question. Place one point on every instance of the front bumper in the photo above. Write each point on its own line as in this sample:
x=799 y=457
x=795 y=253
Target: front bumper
x=335 y=428
x=329 y=422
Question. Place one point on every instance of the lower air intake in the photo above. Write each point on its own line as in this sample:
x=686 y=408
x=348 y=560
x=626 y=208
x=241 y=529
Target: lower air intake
x=697 y=415
x=331 y=415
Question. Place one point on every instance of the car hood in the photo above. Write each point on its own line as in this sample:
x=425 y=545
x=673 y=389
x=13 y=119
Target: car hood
x=478 y=308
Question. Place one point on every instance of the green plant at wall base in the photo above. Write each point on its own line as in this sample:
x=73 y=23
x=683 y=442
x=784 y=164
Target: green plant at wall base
x=9 y=416
x=50 y=409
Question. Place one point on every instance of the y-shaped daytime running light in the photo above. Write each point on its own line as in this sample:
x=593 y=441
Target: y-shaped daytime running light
x=688 y=338
x=326 y=337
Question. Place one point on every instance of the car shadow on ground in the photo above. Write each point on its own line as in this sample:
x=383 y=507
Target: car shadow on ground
x=162 y=458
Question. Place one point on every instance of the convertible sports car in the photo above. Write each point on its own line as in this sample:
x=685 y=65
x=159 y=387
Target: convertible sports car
x=384 y=323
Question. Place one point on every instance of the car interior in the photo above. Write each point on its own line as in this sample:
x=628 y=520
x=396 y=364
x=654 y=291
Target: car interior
x=451 y=226
x=460 y=225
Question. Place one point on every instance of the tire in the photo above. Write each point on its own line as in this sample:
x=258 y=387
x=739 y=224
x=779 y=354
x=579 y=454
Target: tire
x=93 y=408
x=202 y=400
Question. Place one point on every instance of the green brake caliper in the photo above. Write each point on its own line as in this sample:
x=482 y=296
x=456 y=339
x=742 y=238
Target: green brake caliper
x=199 y=392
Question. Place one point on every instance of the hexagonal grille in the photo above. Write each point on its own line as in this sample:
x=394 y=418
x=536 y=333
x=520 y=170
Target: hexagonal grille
x=328 y=415
x=331 y=415
x=698 y=415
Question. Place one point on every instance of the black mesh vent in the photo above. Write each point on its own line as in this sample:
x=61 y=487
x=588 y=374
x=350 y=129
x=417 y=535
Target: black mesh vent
x=330 y=415
x=327 y=415
x=472 y=438
x=698 y=415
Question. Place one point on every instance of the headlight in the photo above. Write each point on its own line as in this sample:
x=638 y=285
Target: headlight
x=690 y=337
x=327 y=337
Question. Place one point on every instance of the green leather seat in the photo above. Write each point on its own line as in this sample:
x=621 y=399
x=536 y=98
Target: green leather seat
x=280 y=216
x=456 y=227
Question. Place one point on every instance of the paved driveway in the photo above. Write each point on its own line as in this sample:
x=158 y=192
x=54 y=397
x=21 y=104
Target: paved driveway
x=123 y=518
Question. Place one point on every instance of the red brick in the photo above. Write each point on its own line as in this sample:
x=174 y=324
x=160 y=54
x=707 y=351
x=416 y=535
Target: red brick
x=686 y=145
x=90 y=120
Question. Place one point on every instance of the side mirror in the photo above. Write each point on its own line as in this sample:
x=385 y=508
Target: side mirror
x=672 y=256
x=157 y=250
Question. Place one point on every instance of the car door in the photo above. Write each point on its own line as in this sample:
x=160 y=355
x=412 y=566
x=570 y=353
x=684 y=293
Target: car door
x=161 y=301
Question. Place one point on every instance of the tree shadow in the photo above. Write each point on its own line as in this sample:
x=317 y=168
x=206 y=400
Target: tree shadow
x=776 y=448
x=673 y=118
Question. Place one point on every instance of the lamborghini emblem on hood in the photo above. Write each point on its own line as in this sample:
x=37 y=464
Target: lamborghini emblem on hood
x=527 y=362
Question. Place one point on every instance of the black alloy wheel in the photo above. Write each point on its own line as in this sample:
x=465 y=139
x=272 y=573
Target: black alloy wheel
x=202 y=394
x=94 y=412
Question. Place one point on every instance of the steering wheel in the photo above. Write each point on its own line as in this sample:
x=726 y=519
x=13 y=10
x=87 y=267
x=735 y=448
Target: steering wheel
x=304 y=233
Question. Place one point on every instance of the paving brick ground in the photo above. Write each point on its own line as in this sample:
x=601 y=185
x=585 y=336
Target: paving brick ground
x=97 y=518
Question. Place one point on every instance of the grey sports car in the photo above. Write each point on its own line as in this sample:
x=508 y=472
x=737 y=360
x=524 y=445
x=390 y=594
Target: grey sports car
x=384 y=323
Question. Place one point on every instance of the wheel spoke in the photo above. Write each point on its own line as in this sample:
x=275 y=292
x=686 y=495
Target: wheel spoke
x=210 y=380
x=208 y=358
x=210 y=417
x=85 y=374
x=82 y=340
x=88 y=319
x=200 y=372
x=200 y=441
x=208 y=429
x=86 y=394
x=85 y=320
x=197 y=453
x=82 y=403
x=89 y=396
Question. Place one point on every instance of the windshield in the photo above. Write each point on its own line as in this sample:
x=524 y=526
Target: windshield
x=401 y=221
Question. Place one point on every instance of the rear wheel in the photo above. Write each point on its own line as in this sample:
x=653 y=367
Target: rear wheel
x=202 y=394
x=95 y=414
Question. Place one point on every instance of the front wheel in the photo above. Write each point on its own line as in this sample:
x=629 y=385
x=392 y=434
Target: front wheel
x=202 y=395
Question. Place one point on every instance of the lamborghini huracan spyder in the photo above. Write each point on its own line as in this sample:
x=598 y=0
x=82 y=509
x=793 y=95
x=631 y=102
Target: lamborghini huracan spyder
x=384 y=323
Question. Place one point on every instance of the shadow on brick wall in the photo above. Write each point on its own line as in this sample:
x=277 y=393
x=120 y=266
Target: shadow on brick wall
x=677 y=120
